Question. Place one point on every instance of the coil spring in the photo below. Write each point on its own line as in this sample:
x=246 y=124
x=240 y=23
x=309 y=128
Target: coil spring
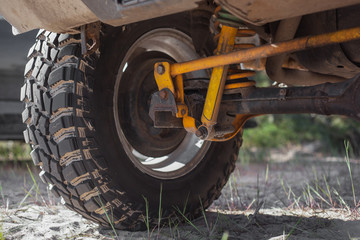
x=237 y=78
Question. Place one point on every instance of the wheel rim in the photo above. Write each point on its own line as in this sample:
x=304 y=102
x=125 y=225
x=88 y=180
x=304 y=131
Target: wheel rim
x=164 y=153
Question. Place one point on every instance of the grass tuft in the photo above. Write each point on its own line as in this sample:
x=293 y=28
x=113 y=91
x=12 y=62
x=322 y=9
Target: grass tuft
x=35 y=187
x=160 y=211
x=188 y=220
x=2 y=194
x=294 y=228
x=146 y=220
x=347 y=159
x=110 y=220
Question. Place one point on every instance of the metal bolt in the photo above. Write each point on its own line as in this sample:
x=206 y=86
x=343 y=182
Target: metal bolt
x=163 y=94
x=282 y=94
x=201 y=132
x=198 y=133
x=183 y=111
x=160 y=69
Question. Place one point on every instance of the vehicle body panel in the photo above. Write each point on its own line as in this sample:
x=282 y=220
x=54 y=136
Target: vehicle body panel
x=66 y=15
x=54 y=15
x=259 y=12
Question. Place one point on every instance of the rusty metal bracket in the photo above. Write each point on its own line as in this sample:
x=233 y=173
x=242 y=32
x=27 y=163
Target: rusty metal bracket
x=162 y=101
x=90 y=38
x=176 y=104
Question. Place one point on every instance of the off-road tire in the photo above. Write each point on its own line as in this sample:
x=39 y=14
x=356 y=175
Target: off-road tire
x=71 y=132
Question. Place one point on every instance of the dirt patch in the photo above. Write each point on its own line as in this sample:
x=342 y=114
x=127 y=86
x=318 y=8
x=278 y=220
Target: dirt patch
x=57 y=222
x=302 y=198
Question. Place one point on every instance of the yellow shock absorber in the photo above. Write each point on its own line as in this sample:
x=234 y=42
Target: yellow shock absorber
x=217 y=84
x=237 y=78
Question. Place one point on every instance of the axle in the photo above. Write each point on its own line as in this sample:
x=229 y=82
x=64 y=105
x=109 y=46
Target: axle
x=326 y=99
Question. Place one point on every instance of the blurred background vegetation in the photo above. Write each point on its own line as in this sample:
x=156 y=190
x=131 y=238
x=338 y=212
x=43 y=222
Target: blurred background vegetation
x=282 y=130
x=14 y=150
x=276 y=131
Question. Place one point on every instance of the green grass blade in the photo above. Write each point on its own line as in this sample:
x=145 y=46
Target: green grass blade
x=319 y=195
x=188 y=220
x=203 y=213
x=186 y=201
x=107 y=217
x=28 y=194
x=147 y=216
x=347 y=159
x=37 y=189
x=159 y=219
x=225 y=236
x=293 y=228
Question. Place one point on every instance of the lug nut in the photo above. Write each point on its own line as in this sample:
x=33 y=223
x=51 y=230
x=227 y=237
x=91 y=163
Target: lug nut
x=160 y=69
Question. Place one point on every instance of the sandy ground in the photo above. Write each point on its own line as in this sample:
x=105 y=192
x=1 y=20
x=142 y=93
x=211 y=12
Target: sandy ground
x=294 y=195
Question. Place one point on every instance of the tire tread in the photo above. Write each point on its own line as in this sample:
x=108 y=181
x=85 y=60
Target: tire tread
x=58 y=83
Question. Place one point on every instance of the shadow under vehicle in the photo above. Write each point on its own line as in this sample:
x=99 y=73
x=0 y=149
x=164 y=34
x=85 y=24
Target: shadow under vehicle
x=129 y=104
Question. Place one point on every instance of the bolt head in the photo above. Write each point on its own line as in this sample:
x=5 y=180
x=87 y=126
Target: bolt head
x=183 y=111
x=201 y=132
x=198 y=133
x=160 y=69
x=163 y=94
